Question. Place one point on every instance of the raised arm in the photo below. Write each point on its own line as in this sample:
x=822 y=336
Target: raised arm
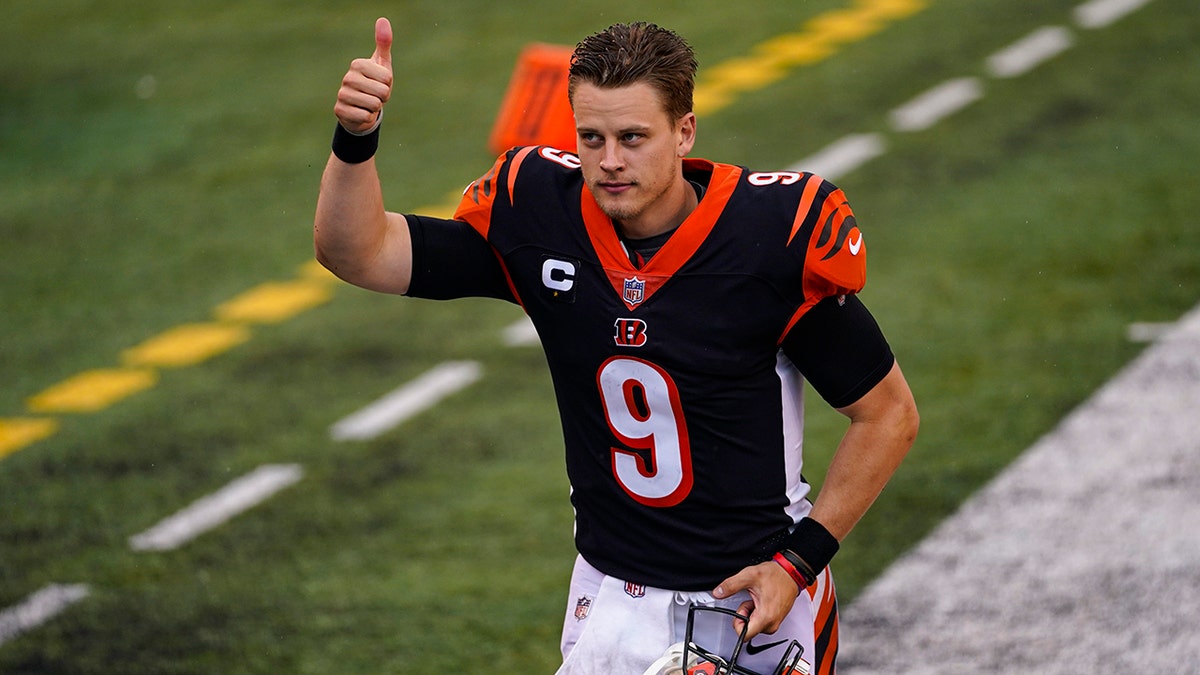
x=353 y=235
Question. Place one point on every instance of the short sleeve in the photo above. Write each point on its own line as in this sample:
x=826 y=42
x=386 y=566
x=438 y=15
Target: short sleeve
x=839 y=349
x=451 y=260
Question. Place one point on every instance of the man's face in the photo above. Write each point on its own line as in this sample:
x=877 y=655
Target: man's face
x=631 y=152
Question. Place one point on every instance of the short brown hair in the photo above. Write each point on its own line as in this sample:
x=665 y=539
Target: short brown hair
x=626 y=53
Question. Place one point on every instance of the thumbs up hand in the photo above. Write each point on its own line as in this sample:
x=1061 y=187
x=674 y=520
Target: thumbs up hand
x=367 y=86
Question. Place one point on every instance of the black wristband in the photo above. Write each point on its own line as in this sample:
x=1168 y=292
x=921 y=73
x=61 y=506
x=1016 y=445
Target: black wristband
x=354 y=149
x=809 y=548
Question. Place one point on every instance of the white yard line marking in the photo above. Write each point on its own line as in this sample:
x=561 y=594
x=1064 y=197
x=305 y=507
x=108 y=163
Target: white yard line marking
x=937 y=103
x=1027 y=53
x=1147 y=331
x=842 y=156
x=1100 y=13
x=213 y=510
x=410 y=399
x=38 y=609
x=521 y=333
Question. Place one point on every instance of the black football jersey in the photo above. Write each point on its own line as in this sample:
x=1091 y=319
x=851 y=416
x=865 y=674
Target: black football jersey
x=681 y=415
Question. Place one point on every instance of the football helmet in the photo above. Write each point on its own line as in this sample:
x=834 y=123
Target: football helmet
x=689 y=658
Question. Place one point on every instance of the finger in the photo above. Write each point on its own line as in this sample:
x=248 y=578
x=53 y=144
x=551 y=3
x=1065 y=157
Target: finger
x=760 y=625
x=759 y=621
x=735 y=583
x=383 y=43
x=364 y=79
x=744 y=609
x=357 y=108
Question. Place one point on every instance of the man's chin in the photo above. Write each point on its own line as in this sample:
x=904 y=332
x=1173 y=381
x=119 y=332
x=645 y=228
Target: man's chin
x=616 y=209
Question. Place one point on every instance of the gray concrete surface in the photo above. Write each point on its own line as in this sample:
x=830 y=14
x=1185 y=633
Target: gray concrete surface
x=1082 y=557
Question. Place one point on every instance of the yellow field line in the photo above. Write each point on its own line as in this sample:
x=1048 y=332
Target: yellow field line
x=92 y=390
x=818 y=39
x=20 y=432
x=177 y=347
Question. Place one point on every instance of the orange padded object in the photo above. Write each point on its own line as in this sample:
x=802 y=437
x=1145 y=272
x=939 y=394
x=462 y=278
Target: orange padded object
x=535 y=110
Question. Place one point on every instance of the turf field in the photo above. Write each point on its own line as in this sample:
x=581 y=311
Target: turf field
x=159 y=162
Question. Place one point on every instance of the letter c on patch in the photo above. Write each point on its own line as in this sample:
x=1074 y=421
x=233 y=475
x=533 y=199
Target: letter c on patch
x=558 y=275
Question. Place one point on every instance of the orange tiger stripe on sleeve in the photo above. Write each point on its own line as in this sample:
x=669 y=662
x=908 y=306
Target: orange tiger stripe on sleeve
x=475 y=207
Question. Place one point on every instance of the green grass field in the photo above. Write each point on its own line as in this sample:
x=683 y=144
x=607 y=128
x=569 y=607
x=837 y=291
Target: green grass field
x=156 y=161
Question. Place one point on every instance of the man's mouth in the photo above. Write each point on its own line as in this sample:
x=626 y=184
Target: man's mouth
x=614 y=188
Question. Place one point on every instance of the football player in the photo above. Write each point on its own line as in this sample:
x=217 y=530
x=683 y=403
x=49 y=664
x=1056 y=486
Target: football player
x=681 y=304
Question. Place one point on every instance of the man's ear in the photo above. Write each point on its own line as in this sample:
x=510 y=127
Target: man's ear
x=687 y=134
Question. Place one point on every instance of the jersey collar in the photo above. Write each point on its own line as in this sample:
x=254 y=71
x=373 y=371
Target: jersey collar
x=679 y=248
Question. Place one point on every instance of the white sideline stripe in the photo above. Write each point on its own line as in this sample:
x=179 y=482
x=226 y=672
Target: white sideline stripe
x=521 y=333
x=934 y=104
x=1100 y=13
x=38 y=609
x=1027 y=53
x=1093 y=530
x=410 y=399
x=842 y=156
x=212 y=510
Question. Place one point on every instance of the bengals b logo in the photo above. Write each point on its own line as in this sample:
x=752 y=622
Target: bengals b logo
x=630 y=332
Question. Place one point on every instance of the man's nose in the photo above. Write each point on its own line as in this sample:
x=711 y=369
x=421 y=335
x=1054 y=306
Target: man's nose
x=611 y=160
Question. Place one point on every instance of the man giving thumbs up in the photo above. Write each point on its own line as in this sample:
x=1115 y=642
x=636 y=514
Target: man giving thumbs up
x=682 y=305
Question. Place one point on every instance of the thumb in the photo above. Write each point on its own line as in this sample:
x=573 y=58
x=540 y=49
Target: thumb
x=383 y=43
x=733 y=584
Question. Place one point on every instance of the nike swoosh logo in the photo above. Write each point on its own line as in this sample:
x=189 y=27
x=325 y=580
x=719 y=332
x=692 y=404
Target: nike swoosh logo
x=753 y=649
x=855 y=246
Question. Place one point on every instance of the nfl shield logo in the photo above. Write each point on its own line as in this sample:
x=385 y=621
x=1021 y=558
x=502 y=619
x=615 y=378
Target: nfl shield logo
x=635 y=290
x=635 y=590
x=582 y=606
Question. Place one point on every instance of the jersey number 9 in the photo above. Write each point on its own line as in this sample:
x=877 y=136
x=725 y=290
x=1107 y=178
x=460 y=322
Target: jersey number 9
x=641 y=404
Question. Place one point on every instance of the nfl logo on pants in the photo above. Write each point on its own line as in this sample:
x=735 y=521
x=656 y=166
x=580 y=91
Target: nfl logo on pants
x=582 y=607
